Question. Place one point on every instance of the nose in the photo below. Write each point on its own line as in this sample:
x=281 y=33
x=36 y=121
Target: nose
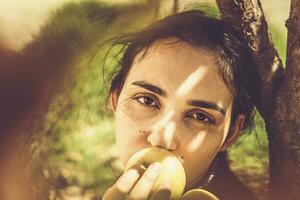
x=164 y=137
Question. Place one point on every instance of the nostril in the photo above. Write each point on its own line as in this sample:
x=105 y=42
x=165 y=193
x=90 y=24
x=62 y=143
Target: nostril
x=162 y=147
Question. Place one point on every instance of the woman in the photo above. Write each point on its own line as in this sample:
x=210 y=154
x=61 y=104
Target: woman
x=183 y=85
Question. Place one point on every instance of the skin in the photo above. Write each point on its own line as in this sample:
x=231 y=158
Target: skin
x=147 y=117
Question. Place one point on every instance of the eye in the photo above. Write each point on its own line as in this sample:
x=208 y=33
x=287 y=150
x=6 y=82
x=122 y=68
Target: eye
x=201 y=117
x=146 y=100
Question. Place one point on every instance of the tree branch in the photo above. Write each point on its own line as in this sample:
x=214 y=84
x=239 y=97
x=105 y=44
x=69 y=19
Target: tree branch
x=248 y=17
x=293 y=46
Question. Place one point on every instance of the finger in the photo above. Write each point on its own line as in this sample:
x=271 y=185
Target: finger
x=144 y=186
x=123 y=185
x=161 y=194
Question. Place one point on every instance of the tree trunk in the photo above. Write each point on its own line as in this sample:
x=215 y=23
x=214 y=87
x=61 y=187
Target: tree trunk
x=285 y=126
x=280 y=101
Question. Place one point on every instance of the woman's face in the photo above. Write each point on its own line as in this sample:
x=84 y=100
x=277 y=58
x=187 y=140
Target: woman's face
x=173 y=98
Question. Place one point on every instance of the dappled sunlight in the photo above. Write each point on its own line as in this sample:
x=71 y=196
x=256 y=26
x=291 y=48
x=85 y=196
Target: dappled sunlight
x=163 y=122
x=197 y=141
x=169 y=133
x=167 y=125
x=191 y=82
x=181 y=92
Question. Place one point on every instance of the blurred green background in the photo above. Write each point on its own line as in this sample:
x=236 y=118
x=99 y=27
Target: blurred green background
x=73 y=151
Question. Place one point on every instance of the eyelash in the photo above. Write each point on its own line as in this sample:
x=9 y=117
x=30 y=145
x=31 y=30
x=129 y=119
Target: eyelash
x=140 y=98
x=143 y=97
x=207 y=119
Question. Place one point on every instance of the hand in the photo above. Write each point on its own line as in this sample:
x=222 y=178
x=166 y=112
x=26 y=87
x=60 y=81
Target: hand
x=135 y=185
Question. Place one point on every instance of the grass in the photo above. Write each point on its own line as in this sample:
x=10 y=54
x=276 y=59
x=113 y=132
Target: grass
x=249 y=158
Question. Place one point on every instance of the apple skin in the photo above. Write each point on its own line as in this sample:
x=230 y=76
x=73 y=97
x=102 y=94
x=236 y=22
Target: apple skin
x=198 y=194
x=172 y=174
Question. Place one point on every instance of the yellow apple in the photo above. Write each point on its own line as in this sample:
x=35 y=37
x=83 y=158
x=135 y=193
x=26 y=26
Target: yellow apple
x=198 y=194
x=172 y=173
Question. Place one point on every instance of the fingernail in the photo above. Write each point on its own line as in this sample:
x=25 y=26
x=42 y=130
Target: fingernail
x=143 y=168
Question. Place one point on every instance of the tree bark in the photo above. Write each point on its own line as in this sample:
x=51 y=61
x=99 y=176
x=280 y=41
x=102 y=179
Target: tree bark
x=281 y=91
x=285 y=127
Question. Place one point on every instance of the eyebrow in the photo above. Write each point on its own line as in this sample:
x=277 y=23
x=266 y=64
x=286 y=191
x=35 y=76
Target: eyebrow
x=196 y=103
x=150 y=87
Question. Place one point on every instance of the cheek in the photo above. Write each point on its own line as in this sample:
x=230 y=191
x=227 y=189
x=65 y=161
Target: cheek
x=137 y=113
x=204 y=141
x=128 y=137
x=199 y=152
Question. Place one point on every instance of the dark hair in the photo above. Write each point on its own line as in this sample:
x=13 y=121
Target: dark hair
x=236 y=65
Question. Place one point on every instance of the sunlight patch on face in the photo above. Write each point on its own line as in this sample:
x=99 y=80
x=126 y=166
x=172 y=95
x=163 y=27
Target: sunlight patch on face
x=197 y=141
x=169 y=133
x=191 y=81
x=163 y=122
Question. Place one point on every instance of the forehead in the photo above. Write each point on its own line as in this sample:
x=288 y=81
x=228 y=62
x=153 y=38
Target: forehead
x=175 y=66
